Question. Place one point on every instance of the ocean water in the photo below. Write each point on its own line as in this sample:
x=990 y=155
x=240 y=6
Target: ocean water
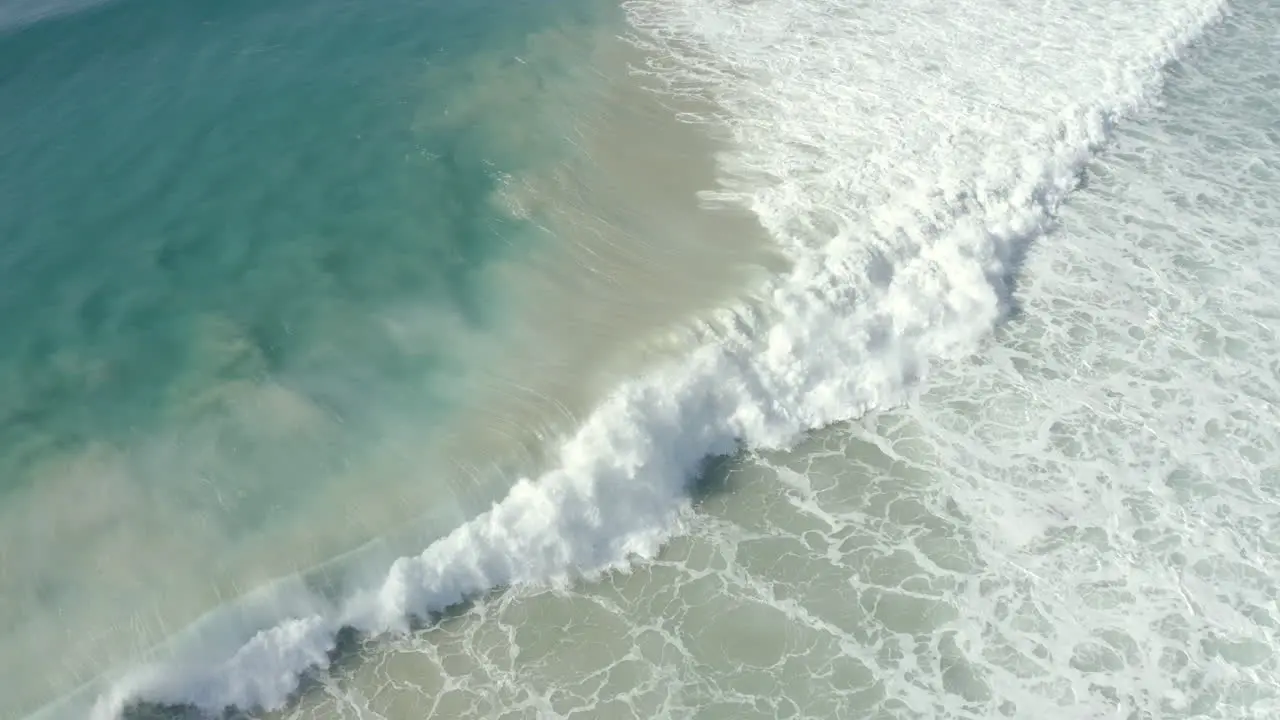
x=416 y=302
x=240 y=248
x=279 y=281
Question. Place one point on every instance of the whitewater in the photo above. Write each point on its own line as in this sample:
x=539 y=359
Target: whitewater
x=905 y=159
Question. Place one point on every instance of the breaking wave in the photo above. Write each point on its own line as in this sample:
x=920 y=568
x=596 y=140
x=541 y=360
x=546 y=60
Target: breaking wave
x=902 y=161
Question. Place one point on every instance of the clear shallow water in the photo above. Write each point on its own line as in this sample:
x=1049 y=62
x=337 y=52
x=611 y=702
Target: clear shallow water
x=1044 y=529
x=262 y=266
x=221 y=224
x=289 y=287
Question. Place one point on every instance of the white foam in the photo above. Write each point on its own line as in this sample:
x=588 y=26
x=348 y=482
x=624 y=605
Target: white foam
x=903 y=160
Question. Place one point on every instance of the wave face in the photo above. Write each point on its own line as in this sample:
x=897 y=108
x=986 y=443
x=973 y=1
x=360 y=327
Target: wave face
x=903 y=161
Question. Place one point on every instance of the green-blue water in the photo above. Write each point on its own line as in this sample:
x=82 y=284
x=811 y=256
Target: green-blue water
x=198 y=193
x=245 y=249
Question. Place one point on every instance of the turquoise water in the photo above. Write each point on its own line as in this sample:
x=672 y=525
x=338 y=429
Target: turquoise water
x=200 y=194
x=246 y=248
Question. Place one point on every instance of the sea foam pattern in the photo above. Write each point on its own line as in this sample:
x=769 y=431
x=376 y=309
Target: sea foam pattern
x=902 y=158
